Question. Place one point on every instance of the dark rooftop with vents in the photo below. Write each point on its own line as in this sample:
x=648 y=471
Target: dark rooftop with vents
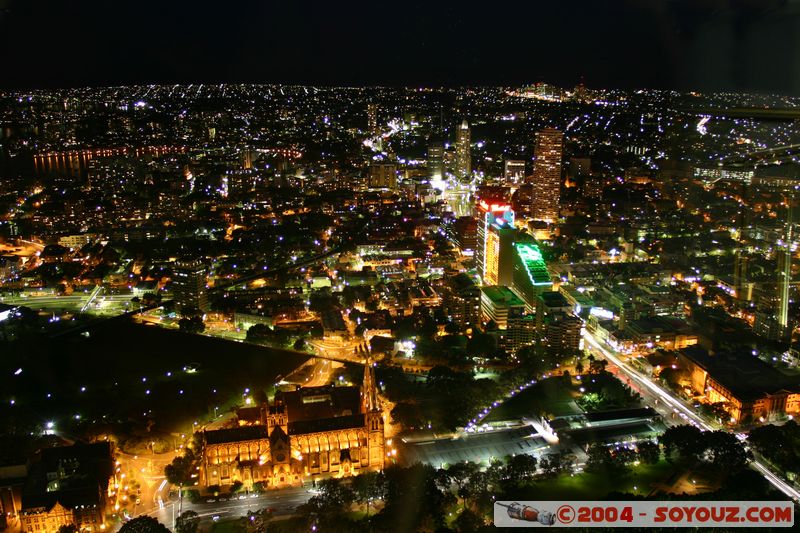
x=315 y=403
x=221 y=436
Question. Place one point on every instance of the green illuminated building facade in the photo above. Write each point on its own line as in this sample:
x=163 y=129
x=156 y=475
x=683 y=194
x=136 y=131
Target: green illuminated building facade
x=530 y=277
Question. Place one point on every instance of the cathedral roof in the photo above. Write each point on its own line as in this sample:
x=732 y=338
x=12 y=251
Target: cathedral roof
x=315 y=403
x=326 y=424
x=222 y=436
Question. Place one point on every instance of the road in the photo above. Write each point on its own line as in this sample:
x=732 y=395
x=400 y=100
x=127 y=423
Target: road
x=148 y=470
x=97 y=289
x=78 y=301
x=687 y=413
x=283 y=502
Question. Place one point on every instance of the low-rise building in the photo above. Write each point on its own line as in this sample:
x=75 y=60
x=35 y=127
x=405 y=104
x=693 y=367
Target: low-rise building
x=68 y=486
x=747 y=387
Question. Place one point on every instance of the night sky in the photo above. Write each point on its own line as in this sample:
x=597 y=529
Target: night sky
x=748 y=45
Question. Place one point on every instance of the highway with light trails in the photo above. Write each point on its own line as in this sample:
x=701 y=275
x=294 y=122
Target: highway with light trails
x=691 y=416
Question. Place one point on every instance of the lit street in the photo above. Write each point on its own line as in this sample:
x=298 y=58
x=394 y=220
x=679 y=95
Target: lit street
x=679 y=406
x=282 y=501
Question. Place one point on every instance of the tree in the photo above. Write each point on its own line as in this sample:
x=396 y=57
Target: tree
x=718 y=410
x=368 y=486
x=779 y=444
x=150 y=298
x=481 y=345
x=68 y=528
x=597 y=366
x=521 y=467
x=179 y=471
x=649 y=452
x=143 y=524
x=187 y=522
x=299 y=344
x=533 y=359
x=259 y=332
x=460 y=474
x=682 y=444
x=409 y=415
x=623 y=456
x=236 y=486
x=190 y=311
x=192 y=325
x=724 y=451
x=336 y=493
x=413 y=501
x=495 y=472
x=599 y=458
x=256 y=521
x=469 y=521
x=554 y=464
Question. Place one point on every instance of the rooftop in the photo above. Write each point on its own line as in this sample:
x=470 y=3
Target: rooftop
x=221 y=436
x=532 y=259
x=500 y=295
x=745 y=375
x=315 y=403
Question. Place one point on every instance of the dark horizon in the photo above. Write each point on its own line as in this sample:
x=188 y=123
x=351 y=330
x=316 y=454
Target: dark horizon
x=705 y=45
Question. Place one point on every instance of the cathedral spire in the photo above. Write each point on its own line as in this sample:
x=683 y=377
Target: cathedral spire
x=368 y=388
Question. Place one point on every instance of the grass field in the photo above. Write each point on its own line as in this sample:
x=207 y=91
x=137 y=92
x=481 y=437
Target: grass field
x=230 y=525
x=126 y=372
x=549 y=396
x=596 y=486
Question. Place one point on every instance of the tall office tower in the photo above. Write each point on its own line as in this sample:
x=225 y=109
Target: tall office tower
x=489 y=213
x=247 y=157
x=461 y=300
x=383 y=176
x=372 y=119
x=785 y=273
x=189 y=285
x=463 y=152
x=513 y=171
x=530 y=277
x=547 y=175
x=499 y=263
x=435 y=160
x=463 y=233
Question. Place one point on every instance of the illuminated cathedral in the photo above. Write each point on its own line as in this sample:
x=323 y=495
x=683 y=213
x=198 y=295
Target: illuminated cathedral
x=310 y=431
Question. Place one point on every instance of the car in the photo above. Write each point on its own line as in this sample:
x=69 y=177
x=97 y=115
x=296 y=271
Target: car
x=215 y=518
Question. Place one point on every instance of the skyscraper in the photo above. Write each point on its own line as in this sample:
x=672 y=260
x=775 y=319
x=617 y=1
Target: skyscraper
x=189 y=285
x=489 y=212
x=383 y=176
x=372 y=119
x=547 y=175
x=463 y=153
x=435 y=159
x=785 y=273
x=499 y=262
x=513 y=171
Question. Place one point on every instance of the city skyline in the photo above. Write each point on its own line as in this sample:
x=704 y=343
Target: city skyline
x=413 y=306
